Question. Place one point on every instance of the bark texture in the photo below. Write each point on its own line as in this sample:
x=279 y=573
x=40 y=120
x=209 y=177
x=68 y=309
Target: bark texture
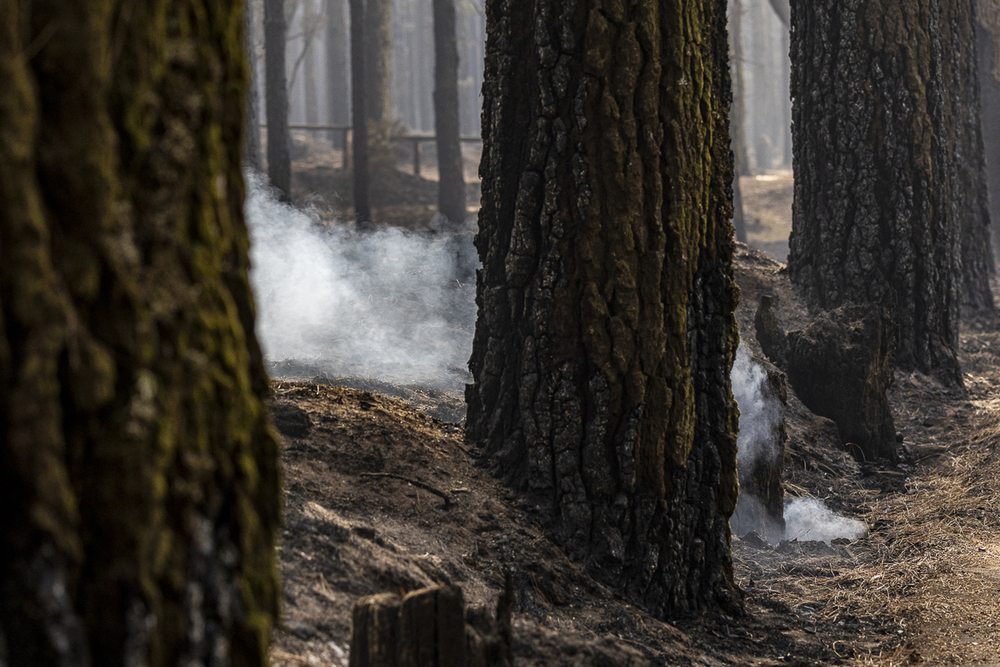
x=451 y=179
x=279 y=160
x=139 y=481
x=606 y=333
x=987 y=38
x=888 y=165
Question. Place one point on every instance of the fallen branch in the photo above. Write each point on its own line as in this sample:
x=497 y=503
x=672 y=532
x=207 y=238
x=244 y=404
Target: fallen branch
x=415 y=482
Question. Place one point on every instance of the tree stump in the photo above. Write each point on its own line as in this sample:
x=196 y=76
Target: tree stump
x=840 y=367
x=427 y=628
x=770 y=335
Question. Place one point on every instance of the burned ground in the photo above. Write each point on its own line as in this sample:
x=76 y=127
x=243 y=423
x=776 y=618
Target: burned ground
x=381 y=497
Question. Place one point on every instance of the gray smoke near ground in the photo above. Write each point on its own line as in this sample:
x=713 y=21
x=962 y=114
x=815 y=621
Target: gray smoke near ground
x=810 y=519
x=385 y=304
x=760 y=412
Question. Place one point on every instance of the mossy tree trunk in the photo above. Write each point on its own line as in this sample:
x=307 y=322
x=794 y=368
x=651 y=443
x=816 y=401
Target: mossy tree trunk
x=888 y=165
x=279 y=160
x=451 y=179
x=606 y=333
x=139 y=480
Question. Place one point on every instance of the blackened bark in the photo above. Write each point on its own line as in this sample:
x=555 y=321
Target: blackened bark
x=989 y=79
x=337 y=83
x=886 y=164
x=359 y=137
x=252 y=156
x=451 y=181
x=279 y=161
x=606 y=333
x=378 y=61
x=139 y=485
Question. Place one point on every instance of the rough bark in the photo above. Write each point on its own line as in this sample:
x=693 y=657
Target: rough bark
x=427 y=628
x=337 y=83
x=451 y=179
x=840 y=367
x=606 y=333
x=378 y=61
x=987 y=37
x=139 y=482
x=359 y=135
x=252 y=154
x=886 y=164
x=279 y=161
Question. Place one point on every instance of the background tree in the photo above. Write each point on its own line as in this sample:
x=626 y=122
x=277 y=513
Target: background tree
x=606 y=332
x=252 y=156
x=279 y=162
x=886 y=164
x=337 y=81
x=378 y=61
x=139 y=483
x=988 y=47
x=737 y=117
x=359 y=143
x=451 y=177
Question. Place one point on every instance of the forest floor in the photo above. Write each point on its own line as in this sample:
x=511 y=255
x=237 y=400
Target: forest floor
x=921 y=587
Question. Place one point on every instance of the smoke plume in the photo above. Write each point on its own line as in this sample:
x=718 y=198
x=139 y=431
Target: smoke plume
x=384 y=304
x=809 y=519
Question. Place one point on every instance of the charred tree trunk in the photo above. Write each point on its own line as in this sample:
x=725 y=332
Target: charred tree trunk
x=378 y=61
x=987 y=43
x=359 y=139
x=885 y=164
x=252 y=156
x=606 y=330
x=337 y=83
x=451 y=179
x=279 y=161
x=139 y=485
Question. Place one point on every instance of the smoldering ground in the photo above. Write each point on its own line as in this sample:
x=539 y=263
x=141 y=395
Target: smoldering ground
x=387 y=304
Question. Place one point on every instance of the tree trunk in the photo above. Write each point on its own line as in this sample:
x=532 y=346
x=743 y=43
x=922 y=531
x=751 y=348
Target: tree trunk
x=310 y=17
x=378 y=61
x=139 y=480
x=987 y=39
x=279 y=161
x=252 y=156
x=337 y=83
x=737 y=114
x=451 y=179
x=885 y=165
x=606 y=332
x=359 y=139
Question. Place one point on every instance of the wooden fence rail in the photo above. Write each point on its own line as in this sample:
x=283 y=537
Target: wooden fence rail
x=416 y=140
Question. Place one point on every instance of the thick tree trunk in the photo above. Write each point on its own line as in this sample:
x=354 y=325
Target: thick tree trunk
x=279 y=161
x=606 y=330
x=886 y=164
x=451 y=179
x=359 y=140
x=337 y=83
x=378 y=61
x=987 y=39
x=252 y=156
x=139 y=485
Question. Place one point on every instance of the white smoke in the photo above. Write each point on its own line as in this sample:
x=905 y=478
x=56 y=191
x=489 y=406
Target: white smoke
x=383 y=304
x=808 y=519
x=760 y=411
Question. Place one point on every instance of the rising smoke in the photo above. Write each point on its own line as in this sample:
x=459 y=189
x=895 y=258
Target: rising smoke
x=384 y=304
x=806 y=519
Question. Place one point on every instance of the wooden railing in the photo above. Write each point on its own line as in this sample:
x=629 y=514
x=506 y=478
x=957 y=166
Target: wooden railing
x=416 y=140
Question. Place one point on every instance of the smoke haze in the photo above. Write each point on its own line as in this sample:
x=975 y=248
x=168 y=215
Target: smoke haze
x=383 y=304
x=810 y=519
